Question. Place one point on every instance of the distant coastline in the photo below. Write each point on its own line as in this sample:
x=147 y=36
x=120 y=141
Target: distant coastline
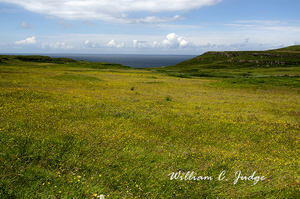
x=132 y=60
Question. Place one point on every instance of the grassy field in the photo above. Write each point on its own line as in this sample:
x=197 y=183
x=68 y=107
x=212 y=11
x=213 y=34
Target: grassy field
x=77 y=130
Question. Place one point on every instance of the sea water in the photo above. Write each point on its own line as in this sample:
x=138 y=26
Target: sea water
x=134 y=61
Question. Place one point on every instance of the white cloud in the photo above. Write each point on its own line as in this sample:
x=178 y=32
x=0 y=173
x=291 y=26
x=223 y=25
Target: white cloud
x=175 y=41
x=44 y=45
x=169 y=44
x=29 y=40
x=154 y=19
x=112 y=43
x=26 y=26
x=36 y=44
x=140 y=44
x=55 y=46
x=111 y=11
x=155 y=44
x=88 y=44
x=172 y=41
x=58 y=45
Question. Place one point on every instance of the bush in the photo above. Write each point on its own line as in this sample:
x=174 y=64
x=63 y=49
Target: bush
x=168 y=98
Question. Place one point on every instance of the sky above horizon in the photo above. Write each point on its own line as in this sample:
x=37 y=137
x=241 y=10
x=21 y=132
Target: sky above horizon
x=147 y=26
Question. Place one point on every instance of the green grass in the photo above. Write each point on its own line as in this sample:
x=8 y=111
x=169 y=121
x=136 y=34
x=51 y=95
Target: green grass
x=80 y=129
x=237 y=64
x=261 y=83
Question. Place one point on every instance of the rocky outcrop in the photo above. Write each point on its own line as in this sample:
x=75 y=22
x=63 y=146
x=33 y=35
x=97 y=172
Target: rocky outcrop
x=284 y=75
x=262 y=62
x=274 y=55
x=224 y=54
x=203 y=59
x=236 y=54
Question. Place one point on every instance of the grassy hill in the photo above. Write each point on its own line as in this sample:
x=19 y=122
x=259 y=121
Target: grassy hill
x=232 y=64
x=75 y=129
x=45 y=61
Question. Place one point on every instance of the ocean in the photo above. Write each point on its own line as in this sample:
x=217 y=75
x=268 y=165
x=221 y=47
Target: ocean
x=134 y=61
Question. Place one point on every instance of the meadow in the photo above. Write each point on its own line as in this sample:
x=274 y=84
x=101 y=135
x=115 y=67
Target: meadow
x=79 y=130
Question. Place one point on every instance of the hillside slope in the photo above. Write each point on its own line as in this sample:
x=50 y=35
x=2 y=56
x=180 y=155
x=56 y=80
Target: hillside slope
x=38 y=60
x=238 y=63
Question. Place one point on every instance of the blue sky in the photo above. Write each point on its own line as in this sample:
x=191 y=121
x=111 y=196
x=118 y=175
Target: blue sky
x=147 y=26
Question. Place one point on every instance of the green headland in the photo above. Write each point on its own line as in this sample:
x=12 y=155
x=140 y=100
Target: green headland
x=220 y=125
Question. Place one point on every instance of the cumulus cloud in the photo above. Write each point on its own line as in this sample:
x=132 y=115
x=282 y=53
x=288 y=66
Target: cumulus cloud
x=111 y=11
x=36 y=44
x=175 y=41
x=112 y=43
x=26 y=26
x=155 y=44
x=172 y=41
x=140 y=44
x=59 y=45
x=55 y=46
x=29 y=40
x=88 y=44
